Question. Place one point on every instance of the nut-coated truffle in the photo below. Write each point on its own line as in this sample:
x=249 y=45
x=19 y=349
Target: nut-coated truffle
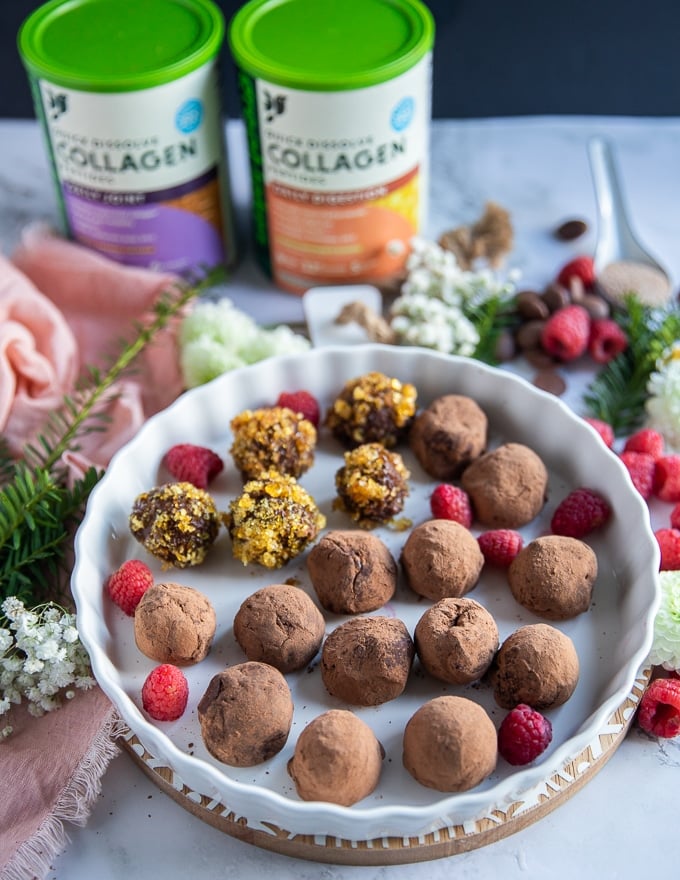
x=538 y=665
x=450 y=744
x=272 y=438
x=367 y=660
x=553 y=576
x=245 y=714
x=174 y=624
x=177 y=523
x=373 y=408
x=372 y=484
x=441 y=559
x=337 y=759
x=507 y=486
x=448 y=435
x=456 y=640
x=280 y=625
x=273 y=520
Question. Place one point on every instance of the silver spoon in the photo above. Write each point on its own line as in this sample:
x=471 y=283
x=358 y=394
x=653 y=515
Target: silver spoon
x=622 y=264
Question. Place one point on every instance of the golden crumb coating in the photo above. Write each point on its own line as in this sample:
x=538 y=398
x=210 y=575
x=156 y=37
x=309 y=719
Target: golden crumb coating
x=272 y=438
x=372 y=484
x=372 y=408
x=272 y=520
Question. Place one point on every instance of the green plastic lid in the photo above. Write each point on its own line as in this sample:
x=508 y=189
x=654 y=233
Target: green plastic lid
x=325 y=45
x=119 y=45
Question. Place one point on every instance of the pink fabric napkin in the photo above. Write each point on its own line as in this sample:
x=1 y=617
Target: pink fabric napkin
x=64 y=308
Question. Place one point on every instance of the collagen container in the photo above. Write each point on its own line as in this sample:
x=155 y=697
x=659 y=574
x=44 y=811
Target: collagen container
x=128 y=96
x=336 y=99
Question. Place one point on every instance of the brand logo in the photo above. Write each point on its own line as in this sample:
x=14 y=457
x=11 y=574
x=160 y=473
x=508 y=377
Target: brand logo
x=403 y=113
x=57 y=104
x=189 y=116
x=274 y=105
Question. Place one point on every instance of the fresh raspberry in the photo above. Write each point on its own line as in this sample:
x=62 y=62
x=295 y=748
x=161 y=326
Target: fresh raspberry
x=193 y=464
x=580 y=513
x=646 y=440
x=669 y=545
x=165 y=693
x=641 y=467
x=127 y=584
x=500 y=546
x=451 y=502
x=604 y=429
x=675 y=517
x=566 y=332
x=659 y=710
x=524 y=734
x=581 y=268
x=301 y=402
x=607 y=340
x=667 y=478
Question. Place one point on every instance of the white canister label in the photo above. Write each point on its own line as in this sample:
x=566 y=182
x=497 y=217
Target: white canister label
x=344 y=175
x=142 y=174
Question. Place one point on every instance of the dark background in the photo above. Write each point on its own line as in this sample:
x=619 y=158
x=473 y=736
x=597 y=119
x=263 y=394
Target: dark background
x=496 y=58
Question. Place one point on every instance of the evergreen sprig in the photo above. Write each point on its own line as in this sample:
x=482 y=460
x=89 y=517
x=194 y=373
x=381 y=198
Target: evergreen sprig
x=491 y=318
x=39 y=509
x=618 y=393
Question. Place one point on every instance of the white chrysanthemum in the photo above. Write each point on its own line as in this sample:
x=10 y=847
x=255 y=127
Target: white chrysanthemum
x=204 y=359
x=666 y=645
x=663 y=402
x=219 y=321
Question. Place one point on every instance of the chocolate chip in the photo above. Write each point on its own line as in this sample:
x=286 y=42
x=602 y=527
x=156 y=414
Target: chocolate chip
x=528 y=336
x=596 y=306
x=530 y=305
x=550 y=380
x=505 y=347
x=570 y=230
x=555 y=296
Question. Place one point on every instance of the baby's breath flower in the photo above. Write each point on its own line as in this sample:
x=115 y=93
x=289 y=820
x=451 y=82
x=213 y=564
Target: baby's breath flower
x=666 y=645
x=40 y=657
x=438 y=299
x=663 y=403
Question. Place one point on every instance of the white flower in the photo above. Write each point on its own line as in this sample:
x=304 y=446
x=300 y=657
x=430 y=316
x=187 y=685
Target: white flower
x=663 y=402
x=666 y=645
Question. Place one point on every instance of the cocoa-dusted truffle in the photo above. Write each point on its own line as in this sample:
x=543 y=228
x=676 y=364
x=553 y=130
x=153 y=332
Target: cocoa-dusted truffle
x=553 y=576
x=177 y=523
x=337 y=758
x=366 y=661
x=352 y=571
x=537 y=665
x=448 y=435
x=272 y=520
x=372 y=484
x=245 y=714
x=441 y=559
x=280 y=625
x=372 y=408
x=174 y=624
x=456 y=640
x=450 y=744
x=272 y=438
x=507 y=486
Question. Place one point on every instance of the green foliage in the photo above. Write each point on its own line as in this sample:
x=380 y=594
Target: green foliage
x=618 y=393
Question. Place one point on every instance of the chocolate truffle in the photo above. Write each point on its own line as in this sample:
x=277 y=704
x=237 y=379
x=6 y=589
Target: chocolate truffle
x=352 y=572
x=280 y=625
x=448 y=435
x=174 y=624
x=372 y=484
x=245 y=714
x=537 y=665
x=366 y=661
x=553 y=576
x=450 y=744
x=177 y=523
x=272 y=520
x=337 y=758
x=507 y=486
x=441 y=559
x=372 y=408
x=456 y=640
x=272 y=438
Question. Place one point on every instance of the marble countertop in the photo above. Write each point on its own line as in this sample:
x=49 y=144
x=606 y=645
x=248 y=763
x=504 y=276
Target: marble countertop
x=621 y=823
